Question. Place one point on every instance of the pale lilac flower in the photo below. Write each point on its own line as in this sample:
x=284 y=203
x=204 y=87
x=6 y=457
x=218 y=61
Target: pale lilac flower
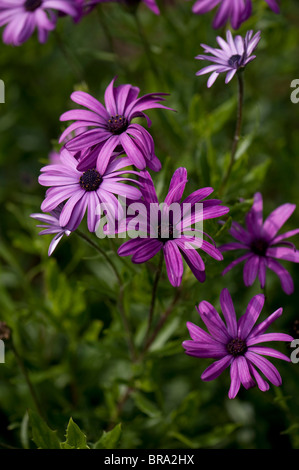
x=22 y=17
x=235 y=11
x=235 y=344
x=174 y=233
x=52 y=227
x=263 y=246
x=86 y=190
x=234 y=55
x=111 y=126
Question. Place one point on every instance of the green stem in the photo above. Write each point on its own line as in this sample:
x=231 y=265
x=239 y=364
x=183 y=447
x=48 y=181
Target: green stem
x=237 y=131
x=161 y=322
x=73 y=62
x=110 y=40
x=121 y=291
x=146 y=46
x=154 y=293
x=27 y=379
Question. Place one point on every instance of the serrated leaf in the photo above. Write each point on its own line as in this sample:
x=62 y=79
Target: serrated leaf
x=75 y=438
x=110 y=439
x=42 y=435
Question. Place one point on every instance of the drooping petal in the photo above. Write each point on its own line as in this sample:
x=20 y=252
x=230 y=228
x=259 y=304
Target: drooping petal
x=235 y=380
x=215 y=369
x=284 y=276
x=244 y=372
x=174 y=263
x=265 y=366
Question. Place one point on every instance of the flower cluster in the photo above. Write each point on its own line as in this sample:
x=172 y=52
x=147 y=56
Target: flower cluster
x=101 y=172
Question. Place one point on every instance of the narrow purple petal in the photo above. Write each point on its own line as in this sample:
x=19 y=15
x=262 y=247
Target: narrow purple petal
x=235 y=380
x=248 y=320
x=215 y=369
x=265 y=366
x=284 y=276
x=174 y=263
x=228 y=311
x=276 y=220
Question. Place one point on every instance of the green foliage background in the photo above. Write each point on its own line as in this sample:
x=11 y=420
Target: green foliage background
x=63 y=310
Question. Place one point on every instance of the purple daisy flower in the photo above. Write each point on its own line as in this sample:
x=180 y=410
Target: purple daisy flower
x=173 y=232
x=234 y=55
x=235 y=344
x=151 y=4
x=53 y=227
x=86 y=190
x=263 y=246
x=112 y=127
x=235 y=11
x=22 y=17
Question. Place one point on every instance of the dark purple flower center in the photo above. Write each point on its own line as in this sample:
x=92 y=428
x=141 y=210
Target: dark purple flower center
x=236 y=347
x=259 y=247
x=90 y=180
x=235 y=61
x=31 y=5
x=117 y=124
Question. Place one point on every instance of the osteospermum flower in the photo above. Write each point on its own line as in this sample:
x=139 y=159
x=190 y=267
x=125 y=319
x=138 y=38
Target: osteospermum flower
x=111 y=126
x=85 y=190
x=235 y=344
x=263 y=246
x=151 y=4
x=22 y=17
x=235 y=11
x=52 y=227
x=234 y=55
x=172 y=231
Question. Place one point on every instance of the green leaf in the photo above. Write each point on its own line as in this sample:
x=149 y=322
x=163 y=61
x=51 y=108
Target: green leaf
x=146 y=406
x=110 y=439
x=42 y=435
x=75 y=438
